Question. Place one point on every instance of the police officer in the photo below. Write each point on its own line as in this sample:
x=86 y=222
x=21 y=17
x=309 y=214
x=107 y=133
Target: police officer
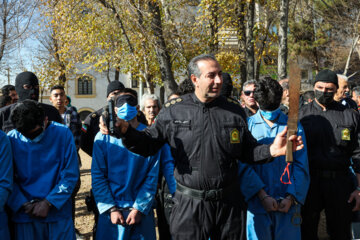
x=207 y=136
x=331 y=132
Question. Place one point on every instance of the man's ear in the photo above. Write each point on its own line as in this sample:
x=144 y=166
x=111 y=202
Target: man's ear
x=194 y=79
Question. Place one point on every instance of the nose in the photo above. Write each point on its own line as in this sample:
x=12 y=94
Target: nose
x=218 y=79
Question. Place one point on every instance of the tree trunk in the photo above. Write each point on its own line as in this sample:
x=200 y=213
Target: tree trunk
x=161 y=50
x=353 y=46
x=283 y=48
x=250 y=48
x=214 y=27
x=241 y=34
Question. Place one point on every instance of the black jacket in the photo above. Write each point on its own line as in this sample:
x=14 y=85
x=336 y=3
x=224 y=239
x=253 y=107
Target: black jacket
x=332 y=136
x=206 y=141
x=5 y=122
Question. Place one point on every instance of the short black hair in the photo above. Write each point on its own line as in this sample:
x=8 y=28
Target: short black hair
x=268 y=93
x=27 y=115
x=5 y=90
x=5 y=100
x=57 y=87
x=185 y=87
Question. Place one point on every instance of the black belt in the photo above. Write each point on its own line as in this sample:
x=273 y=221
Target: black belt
x=207 y=195
x=329 y=173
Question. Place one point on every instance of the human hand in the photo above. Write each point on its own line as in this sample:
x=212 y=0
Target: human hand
x=28 y=207
x=269 y=203
x=355 y=195
x=41 y=208
x=278 y=147
x=117 y=218
x=285 y=205
x=120 y=124
x=134 y=217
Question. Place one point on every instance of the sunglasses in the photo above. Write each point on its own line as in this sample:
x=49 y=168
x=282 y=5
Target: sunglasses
x=248 y=93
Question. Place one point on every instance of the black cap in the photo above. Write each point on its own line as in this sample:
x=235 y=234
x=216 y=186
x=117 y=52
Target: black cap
x=113 y=86
x=327 y=76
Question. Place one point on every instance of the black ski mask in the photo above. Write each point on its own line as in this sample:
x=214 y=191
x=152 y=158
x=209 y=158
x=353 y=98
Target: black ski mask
x=27 y=86
x=324 y=98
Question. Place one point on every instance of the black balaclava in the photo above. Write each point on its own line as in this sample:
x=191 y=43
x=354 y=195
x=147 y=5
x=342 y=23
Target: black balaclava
x=28 y=78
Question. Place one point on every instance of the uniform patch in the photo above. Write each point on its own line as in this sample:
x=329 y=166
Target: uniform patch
x=84 y=128
x=345 y=134
x=234 y=136
x=167 y=104
x=178 y=100
x=93 y=115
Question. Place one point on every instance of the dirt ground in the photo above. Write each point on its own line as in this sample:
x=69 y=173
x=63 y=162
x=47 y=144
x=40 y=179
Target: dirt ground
x=84 y=220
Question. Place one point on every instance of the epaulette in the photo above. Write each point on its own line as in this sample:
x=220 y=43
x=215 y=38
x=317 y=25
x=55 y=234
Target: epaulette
x=233 y=101
x=94 y=115
x=172 y=102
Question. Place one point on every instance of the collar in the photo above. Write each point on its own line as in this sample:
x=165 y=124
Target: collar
x=208 y=104
x=282 y=119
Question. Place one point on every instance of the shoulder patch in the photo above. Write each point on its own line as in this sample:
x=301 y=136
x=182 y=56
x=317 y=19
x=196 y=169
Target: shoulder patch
x=173 y=102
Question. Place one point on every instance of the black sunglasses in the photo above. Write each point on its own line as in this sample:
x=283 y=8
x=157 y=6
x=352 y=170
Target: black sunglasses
x=247 y=93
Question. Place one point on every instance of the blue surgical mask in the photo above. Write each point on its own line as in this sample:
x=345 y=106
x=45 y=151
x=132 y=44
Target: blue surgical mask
x=127 y=112
x=270 y=115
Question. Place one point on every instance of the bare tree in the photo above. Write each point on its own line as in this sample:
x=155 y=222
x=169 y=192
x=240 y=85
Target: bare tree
x=15 y=19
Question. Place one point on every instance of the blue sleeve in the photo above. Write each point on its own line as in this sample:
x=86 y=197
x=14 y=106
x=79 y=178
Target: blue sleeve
x=6 y=170
x=300 y=177
x=249 y=180
x=69 y=174
x=167 y=167
x=146 y=194
x=100 y=186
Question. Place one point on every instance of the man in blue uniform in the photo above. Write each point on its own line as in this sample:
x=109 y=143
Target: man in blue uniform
x=124 y=183
x=46 y=172
x=6 y=182
x=271 y=211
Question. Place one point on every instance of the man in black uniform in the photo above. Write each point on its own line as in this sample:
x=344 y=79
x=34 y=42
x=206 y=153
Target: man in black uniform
x=207 y=137
x=27 y=87
x=332 y=138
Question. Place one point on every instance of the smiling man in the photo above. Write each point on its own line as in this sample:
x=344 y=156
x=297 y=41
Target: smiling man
x=207 y=136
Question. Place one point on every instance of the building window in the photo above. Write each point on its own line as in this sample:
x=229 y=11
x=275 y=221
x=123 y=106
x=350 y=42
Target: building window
x=85 y=85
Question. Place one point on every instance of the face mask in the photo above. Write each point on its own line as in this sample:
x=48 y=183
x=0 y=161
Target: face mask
x=27 y=78
x=270 y=115
x=324 y=98
x=127 y=112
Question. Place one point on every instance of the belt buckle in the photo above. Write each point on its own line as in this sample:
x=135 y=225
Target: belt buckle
x=212 y=195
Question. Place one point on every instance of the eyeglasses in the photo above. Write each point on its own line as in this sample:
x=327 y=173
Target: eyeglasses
x=248 y=93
